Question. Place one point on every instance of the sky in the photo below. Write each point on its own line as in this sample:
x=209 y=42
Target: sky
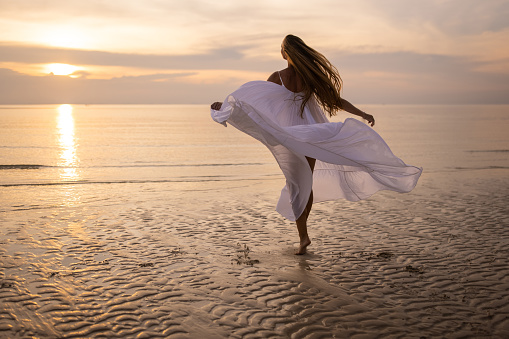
x=199 y=51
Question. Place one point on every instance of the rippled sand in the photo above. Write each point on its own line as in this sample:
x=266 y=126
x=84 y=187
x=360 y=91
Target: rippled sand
x=213 y=260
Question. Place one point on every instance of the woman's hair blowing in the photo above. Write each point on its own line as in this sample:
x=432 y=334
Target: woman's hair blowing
x=320 y=78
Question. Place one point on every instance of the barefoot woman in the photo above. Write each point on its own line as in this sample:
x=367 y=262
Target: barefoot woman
x=320 y=159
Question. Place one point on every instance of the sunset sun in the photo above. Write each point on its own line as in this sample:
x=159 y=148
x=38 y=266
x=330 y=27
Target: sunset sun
x=61 y=69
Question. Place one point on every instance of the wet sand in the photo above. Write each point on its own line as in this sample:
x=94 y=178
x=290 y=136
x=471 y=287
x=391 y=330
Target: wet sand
x=214 y=260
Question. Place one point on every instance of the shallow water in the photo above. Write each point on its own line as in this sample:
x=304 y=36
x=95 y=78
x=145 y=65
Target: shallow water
x=62 y=155
x=110 y=144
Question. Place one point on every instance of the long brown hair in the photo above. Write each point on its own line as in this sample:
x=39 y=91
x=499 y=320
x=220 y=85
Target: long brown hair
x=319 y=77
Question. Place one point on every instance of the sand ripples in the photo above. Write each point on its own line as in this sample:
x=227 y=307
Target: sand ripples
x=162 y=264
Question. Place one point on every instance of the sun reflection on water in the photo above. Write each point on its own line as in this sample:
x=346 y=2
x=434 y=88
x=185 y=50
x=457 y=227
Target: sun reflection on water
x=68 y=159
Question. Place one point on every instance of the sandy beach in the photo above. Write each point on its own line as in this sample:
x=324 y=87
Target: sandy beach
x=182 y=263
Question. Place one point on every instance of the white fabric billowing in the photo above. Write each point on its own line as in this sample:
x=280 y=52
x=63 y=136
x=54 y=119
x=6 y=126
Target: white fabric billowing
x=353 y=161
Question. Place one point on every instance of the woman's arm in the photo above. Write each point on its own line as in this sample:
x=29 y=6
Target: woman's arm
x=347 y=106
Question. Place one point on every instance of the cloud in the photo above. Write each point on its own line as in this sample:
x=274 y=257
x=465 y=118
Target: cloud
x=56 y=9
x=402 y=62
x=17 y=88
x=400 y=77
x=223 y=58
x=235 y=58
x=456 y=17
x=405 y=77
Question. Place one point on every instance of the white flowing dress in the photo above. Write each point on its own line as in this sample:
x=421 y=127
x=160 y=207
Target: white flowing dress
x=352 y=160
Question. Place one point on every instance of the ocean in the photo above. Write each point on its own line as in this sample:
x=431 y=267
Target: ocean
x=62 y=148
x=112 y=144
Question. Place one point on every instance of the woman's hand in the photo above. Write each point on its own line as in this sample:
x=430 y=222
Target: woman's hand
x=369 y=118
x=216 y=106
x=347 y=106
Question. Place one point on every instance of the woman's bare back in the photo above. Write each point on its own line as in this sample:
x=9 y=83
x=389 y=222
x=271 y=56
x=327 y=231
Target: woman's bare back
x=290 y=78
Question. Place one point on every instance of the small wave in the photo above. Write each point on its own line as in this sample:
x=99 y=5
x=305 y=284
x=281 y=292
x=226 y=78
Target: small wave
x=30 y=147
x=177 y=165
x=34 y=166
x=490 y=151
x=479 y=168
x=28 y=166
x=112 y=182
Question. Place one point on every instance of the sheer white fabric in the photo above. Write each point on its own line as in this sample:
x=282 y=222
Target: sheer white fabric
x=353 y=161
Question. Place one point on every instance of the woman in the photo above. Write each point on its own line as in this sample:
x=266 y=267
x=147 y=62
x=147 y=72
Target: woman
x=319 y=159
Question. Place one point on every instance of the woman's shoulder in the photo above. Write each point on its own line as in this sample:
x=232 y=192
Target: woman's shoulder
x=275 y=78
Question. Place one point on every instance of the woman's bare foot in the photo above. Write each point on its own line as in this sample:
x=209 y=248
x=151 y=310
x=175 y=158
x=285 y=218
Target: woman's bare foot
x=304 y=243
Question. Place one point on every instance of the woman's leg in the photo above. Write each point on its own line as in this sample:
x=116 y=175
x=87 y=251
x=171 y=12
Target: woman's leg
x=302 y=220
